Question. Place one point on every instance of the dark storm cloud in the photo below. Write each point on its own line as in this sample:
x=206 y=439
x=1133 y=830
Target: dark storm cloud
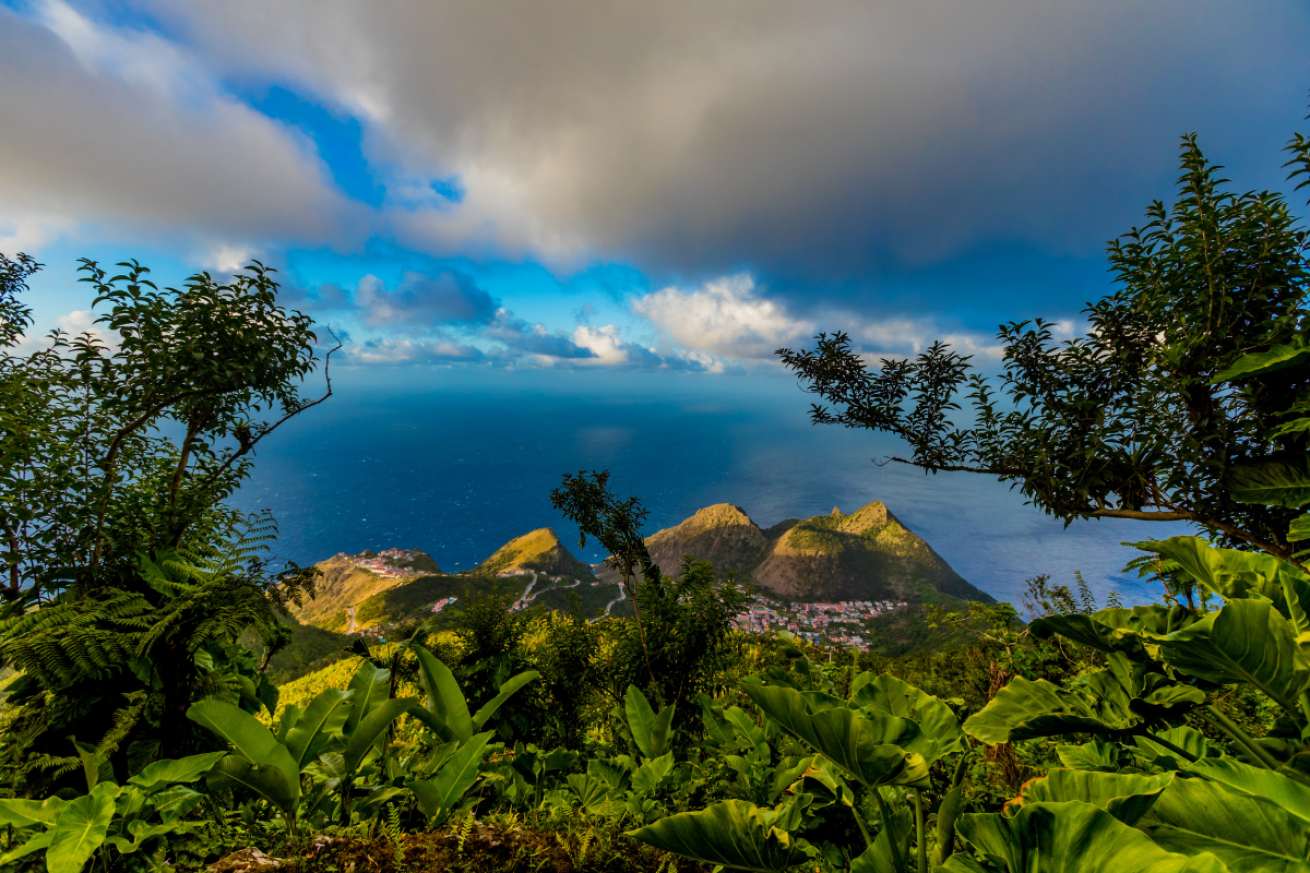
x=818 y=142
x=450 y=297
x=843 y=149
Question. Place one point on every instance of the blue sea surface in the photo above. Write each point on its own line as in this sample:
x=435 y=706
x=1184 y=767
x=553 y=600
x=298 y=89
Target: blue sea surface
x=457 y=465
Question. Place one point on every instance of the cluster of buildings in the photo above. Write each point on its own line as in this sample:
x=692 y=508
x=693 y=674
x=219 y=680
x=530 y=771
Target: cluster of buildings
x=384 y=562
x=841 y=622
x=443 y=603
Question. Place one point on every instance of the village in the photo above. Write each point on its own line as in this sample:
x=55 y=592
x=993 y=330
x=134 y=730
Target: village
x=384 y=563
x=841 y=622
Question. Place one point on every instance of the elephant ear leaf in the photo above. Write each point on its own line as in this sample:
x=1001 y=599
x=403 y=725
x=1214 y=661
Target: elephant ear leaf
x=1268 y=785
x=1126 y=797
x=890 y=696
x=263 y=764
x=1245 y=831
x=872 y=750
x=1014 y=706
x=79 y=831
x=1271 y=482
x=649 y=730
x=507 y=690
x=1070 y=837
x=735 y=834
x=25 y=813
x=1274 y=358
x=445 y=701
x=1247 y=641
x=640 y=716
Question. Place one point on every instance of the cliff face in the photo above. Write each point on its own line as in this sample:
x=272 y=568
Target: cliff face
x=867 y=555
x=539 y=551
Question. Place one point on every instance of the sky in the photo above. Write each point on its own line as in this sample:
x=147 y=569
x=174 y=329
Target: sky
x=679 y=187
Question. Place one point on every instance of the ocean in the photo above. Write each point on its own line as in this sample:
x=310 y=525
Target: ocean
x=457 y=463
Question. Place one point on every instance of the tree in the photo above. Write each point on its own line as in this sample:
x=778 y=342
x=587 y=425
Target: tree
x=616 y=524
x=1140 y=418
x=128 y=580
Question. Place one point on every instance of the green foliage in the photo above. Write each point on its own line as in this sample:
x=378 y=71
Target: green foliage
x=130 y=826
x=128 y=582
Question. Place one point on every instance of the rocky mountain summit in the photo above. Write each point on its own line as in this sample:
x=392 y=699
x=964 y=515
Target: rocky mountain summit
x=539 y=551
x=865 y=555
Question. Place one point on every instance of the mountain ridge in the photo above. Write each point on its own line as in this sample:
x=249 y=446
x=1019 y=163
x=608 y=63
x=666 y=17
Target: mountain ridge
x=868 y=554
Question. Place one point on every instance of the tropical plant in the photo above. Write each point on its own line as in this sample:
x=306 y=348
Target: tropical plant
x=124 y=666
x=132 y=824
x=863 y=751
x=128 y=581
x=1130 y=421
x=586 y=500
x=1242 y=802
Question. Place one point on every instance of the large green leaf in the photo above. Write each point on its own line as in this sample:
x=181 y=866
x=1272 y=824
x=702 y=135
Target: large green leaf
x=1246 y=642
x=872 y=750
x=507 y=690
x=372 y=728
x=80 y=830
x=1258 y=363
x=37 y=843
x=717 y=726
x=445 y=700
x=1135 y=632
x=1235 y=575
x=188 y=769
x=261 y=764
x=26 y=813
x=880 y=857
x=1247 y=833
x=1126 y=797
x=1070 y=837
x=369 y=686
x=438 y=796
x=1095 y=755
x=1271 y=482
x=735 y=833
x=321 y=722
x=1299 y=529
x=1292 y=796
x=649 y=731
x=1026 y=709
x=888 y=695
x=270 y=783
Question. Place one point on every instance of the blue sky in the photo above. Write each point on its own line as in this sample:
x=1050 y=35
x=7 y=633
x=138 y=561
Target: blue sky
x=676 y=186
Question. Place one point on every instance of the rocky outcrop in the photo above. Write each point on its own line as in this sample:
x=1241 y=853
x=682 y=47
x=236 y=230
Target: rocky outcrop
x=539 y=551
x=866 y=555
x=722 y=534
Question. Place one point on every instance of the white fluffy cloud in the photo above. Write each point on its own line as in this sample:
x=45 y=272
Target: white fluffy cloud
x=723 y=317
